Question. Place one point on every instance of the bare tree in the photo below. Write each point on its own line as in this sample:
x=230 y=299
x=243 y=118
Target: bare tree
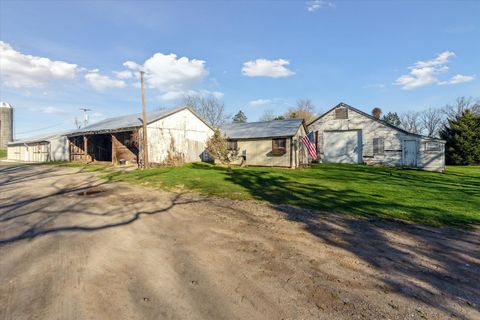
x=432 y=120
x=410 y=121
x=461 y=105
x=210 y=108
x=267 y=115
x=303 y=109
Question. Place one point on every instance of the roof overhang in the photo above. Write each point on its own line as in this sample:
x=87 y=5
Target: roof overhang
x=107 y=131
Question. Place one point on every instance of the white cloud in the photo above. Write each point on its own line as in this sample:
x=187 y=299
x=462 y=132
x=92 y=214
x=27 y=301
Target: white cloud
x=172 y=76
x=267 y=68
x=315 y=5
x=375 y=86
x=132 y=65
x=424 y=73
x=101 y=82
x=259 y=102
x=459 y=78
x=48 y=110
x=175 y=95
x=126 y=74
x=21 y=70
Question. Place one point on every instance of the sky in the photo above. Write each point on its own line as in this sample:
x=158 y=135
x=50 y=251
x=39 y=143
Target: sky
x=59 y=56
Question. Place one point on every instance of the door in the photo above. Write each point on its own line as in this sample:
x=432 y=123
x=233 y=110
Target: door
x=410 y=153
x=342 y=146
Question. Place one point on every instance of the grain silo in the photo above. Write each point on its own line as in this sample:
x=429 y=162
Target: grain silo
x=6 y=124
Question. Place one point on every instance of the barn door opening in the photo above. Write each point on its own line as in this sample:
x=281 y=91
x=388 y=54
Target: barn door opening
x=410 y=153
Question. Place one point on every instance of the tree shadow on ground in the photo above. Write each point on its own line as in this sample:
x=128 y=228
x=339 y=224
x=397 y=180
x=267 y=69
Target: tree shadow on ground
x=440 y=269
x=58 y=211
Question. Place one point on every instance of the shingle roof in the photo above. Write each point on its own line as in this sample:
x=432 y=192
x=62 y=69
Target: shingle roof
x=39 y=138
x=124 y=122
x=266 y=129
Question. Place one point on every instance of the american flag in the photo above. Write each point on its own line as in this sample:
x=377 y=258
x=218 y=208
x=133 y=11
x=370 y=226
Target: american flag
x=309 y=142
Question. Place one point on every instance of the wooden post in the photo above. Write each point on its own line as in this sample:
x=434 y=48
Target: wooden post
x=291 y=152
x=85 y=147
x=144 y=120
x=114 y=149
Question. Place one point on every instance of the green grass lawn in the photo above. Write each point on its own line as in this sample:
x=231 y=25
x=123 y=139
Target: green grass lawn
x=430 y=198
x=3 y=153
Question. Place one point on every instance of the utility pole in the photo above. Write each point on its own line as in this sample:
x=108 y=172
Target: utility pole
x=144 y=120
x=85 y=116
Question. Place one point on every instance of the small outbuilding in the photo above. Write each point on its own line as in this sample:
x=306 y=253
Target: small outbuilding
x=347 y=135
x=269 y=143
x=45 y=148
x=174 y=136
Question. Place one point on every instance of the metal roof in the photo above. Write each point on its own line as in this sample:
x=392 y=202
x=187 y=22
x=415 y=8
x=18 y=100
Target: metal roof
x=35 y=139
x=124 y=122
x=265 y=129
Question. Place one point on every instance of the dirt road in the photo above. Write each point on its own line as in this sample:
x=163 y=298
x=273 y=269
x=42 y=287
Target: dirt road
x=73 y=246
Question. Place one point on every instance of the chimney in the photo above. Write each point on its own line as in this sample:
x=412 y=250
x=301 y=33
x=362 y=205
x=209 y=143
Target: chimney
x=377 y=112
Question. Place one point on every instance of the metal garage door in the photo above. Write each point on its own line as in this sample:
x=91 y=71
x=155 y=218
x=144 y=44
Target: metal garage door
x=342 y=146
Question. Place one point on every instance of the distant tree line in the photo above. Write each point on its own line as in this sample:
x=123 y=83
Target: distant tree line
x=304 y=108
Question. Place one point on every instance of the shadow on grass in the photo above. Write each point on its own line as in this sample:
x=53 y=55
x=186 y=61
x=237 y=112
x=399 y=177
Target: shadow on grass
x=290 y=189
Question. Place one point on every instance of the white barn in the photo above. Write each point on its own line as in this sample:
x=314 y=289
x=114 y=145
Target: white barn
x=348 y=135
x=50 y=147
x=174 y=136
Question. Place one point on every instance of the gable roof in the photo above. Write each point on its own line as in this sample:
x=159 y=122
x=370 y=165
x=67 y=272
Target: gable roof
x=130 y=121
x=264 y=129
x=344 y=105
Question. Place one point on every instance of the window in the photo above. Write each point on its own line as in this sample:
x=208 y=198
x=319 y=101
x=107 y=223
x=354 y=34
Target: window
x=378 y=146
x=341 y=113
x=432 y=146
x=279 y=146
x=232 y=145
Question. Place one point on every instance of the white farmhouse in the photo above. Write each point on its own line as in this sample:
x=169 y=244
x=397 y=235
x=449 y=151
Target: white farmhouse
x=348 y=135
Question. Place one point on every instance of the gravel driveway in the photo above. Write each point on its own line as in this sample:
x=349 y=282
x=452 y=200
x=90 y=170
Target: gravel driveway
x=73 y=246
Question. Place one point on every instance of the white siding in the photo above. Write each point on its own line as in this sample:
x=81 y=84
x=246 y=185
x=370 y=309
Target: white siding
x=14 y=153
x=55 y=149
x=59 y=149
x=370 y=129
x=181 y=135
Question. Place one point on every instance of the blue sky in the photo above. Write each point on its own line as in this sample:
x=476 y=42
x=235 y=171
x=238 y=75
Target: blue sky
x=57 y=57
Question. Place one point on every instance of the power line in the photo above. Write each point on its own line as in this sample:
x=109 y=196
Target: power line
x=39 y=129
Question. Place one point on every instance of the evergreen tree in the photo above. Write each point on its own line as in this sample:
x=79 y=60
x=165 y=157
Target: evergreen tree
x=240 y=117
x=392 y=118
x=462 y=134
